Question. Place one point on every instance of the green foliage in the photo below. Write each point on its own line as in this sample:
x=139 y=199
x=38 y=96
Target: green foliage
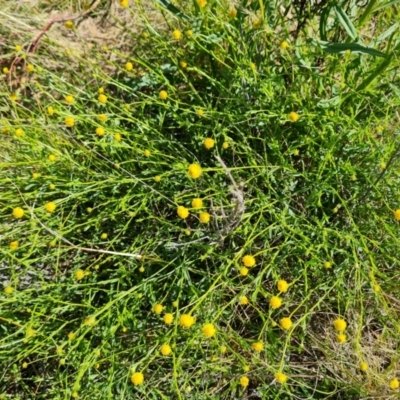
x=300 y=173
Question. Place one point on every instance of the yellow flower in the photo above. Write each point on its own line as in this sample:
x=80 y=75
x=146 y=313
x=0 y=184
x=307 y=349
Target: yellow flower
x=129 y=66
x=244 y=381
x=280 y=377
x=296 y=152
x=90 y=321
x=201 y=3
x=35 y=175
x=275 y=302
x=246 y=368
x=100 y=131
x=79 y=274
x=253 y=66
x=186 y=320
x=70 y=122
x=382 y=166
x=19 y=132
x=249 y=261
x=189 y=33
x=363 y=366
x=18 y=212
x=52 y=158
x=50 y=206
x=284 y=45
x=147 y=153
x=157 y=308
x=286 y=323
x=102 y=117
x=394 y=384
x=100 y=90
x=69 y=24
x=176 y=34
x=157 y=178
x=200 y=113
x=166 y=350
x=5 y=70
x=204 y=217
x=25 y=365
x=376 y=288
x=188 y=232
x=282 y=285
x=18 y=48
x=327 y=264
x=104 y=236
x=194 y=171
x=117 y=137
x=30 y=68
x=223 y=349
x=397 y=215
x=50 y=110
x=244 y=271
x=8 y=290
x=197 y=203
x=13 y=97
x=243 y=301
x=69 y=99
x=183 y=64
x=341 y=337
x=163 y=95
x=59 y=350
x=89 y=210
x=340 y=324
x=30 y=332
x=102 y=98
x=141 y=269
x=209 y=330
x=293 y=116
x=209 y=143
x=225 y=145
x=71 y=336
x=258 y=346
x=62 y=361
x=183 y=212
x=14 y=245
x=168 y=318
x=175 y=303
x=137 y=378
x=256 y=23
x=124 y=3
x=232 y=13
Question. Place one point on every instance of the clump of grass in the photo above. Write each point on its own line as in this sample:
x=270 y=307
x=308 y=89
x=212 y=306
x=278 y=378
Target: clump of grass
x=212 y=216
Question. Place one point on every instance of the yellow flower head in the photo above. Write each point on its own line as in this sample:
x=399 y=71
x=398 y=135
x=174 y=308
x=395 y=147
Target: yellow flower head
x=18 y=48
x=100 y=131
x=8 y=290
x=52 y=158
x=18 y=212
x=341 y=337
x=182 y=212
x=244 y=271
x=256 y=23
x=35 y=175
x=280 y=377
x=397 y=215
x=19 y=132
x=69 y=24
x=157 y=308
x=71 y=336
x=186 y=320
x=363 y=366
x=137 y=378
x=248 y=261
x=195 y=171
x=200 y=113
x=117 y=137
x=147 y=153
x=102 y=117
x=293 y=117
x=13 y=97
x=209 y=330
x=69 y=99
x=275 y=302
x=282 y=285
x=284 y=45
x=327 y=264
x=225 y=145
x=124 y=3
x=209 y=143
x=166 y=350
x=102 y=98
x=232 y=13
x=197 y=203
x=168 y=318
x=201 y=3
x=246 y=368
x=14 y=245
x=244 y=381
x=183 y=64
x=243 y=301
x=204 y=217
x=394 y=384
x=129 y=66
x=340 y=324
x=30 y=332
x=286 y=323
x=163 y=95
x=258 y=346
x=62 y=361
x=50 y=206
x=104 y=236
x=223 y=349
x=90 y=321
x=189 y=33
x=176 y=34
x=79 y=274
x=157 y=178
x=70 y=122
x=30 y=68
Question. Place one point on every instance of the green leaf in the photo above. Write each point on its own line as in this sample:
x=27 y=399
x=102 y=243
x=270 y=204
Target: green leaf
x=336 y=48
x=375 y=73
x=173 y=9
x=323 y=23
x=388 y=4
x=387 y=33
x=346 y=22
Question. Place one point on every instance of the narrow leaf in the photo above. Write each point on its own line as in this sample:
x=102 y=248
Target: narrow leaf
x=173 y=9
x=336 y=48
x=345 y=21
x=388 y=4
x=375 y=73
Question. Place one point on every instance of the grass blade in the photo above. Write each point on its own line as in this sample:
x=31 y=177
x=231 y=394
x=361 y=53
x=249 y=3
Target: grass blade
x=346 y=22
x=173 y=9
x=336 y=48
